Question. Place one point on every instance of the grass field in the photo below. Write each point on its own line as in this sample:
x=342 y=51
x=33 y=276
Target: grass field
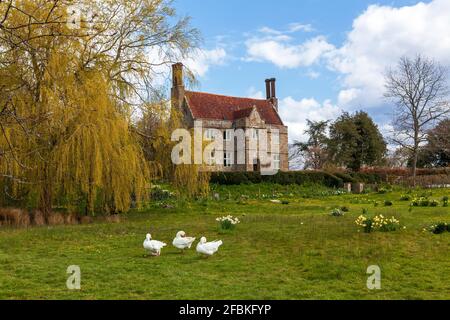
x=292 y=251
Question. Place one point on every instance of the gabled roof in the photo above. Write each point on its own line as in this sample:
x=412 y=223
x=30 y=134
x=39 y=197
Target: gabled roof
x=218 y=107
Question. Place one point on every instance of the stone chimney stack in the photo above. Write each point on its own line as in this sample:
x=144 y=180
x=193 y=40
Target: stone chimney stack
x=177 y=86
x=268 y=89
x=272 y=88
x=271 y=92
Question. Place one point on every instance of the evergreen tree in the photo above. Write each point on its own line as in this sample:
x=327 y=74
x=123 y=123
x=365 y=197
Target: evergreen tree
x=436 y=153
x=355 y=141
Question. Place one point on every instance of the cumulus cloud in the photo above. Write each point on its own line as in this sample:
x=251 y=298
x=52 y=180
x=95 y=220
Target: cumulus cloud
x=255 y=94
x=347 y=96
x=296 y=112
x=201 y=60
x=284 y=54
x=379 y=37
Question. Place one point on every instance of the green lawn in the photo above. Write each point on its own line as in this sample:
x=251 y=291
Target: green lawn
x=294 y=251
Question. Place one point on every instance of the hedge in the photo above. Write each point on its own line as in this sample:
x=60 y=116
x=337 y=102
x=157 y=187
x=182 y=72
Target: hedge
x=366 y=177
x=282 y=178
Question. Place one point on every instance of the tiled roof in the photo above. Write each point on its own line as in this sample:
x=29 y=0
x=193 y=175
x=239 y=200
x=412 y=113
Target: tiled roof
x=217 y=107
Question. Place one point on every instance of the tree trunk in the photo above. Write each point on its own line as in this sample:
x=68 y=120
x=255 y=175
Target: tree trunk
x=46 y=196
x=414 y=165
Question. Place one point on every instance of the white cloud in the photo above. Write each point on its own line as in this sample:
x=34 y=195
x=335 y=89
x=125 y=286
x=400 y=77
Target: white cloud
x=379 y=37
x=347 y=96
x=201 y=60
x=268 y=30
x=313 y=74
x=294 y=27
x=255 y=94
x=295 y=113
x=284 y=54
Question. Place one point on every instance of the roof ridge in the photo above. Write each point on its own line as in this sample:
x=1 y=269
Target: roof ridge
x=226 y=96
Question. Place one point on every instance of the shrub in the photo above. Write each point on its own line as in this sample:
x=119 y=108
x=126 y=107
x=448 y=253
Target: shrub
x=388 y=203
x=38 y=218
x=70 y=218
x=424 y=202
x=383 y=190
x=434 y=203
x=14 y=217
x=86 y=220
x=282 y=178
x=445 y=201
x=337 y=213
x=378 y=223
x=384 y=224
x=420 y=202
x=366 y=177
x=228 y=223
x=115 y=218
x=159 y=194
x=345 y=209
x=405 y=197
x=55 y=219
x=438 y=228
x=365 y=223
x=346 y=178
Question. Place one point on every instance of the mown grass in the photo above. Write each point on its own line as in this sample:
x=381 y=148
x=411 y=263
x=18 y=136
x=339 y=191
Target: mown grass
x=293 y=251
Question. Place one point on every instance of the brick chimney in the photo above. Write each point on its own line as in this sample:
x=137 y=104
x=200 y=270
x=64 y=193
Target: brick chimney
x=268 y=89
x=177 y=86
x=271 y=92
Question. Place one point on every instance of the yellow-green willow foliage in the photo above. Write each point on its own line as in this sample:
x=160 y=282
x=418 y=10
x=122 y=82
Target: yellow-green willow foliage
x=157 y=124
x=97 y=156
x=191 y=181
x=84 y=155
x=67 y=95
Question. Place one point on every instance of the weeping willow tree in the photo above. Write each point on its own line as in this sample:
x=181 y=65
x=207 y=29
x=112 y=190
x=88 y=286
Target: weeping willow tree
x=97 y=157
x=68 y=95
x=156 y=127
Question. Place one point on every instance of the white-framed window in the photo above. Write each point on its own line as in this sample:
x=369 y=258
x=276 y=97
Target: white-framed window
x=255 y=134
x=228 y=159
x=275 y=138
x=211 y=161
x=209 y=134
x=227 y=135
x=276 y=161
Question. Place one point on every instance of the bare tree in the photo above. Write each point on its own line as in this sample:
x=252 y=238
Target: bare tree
x=314 y=151
x=419 y=89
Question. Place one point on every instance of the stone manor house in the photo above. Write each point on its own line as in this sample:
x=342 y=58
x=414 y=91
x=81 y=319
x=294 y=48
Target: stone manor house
x=224 y=113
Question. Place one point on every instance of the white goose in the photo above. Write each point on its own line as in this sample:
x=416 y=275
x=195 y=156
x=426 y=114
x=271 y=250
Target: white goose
x=208 y=248
x=154 y=246
x=182 y=242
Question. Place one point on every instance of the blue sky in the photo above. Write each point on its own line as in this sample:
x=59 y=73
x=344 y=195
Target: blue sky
x=327 y=56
